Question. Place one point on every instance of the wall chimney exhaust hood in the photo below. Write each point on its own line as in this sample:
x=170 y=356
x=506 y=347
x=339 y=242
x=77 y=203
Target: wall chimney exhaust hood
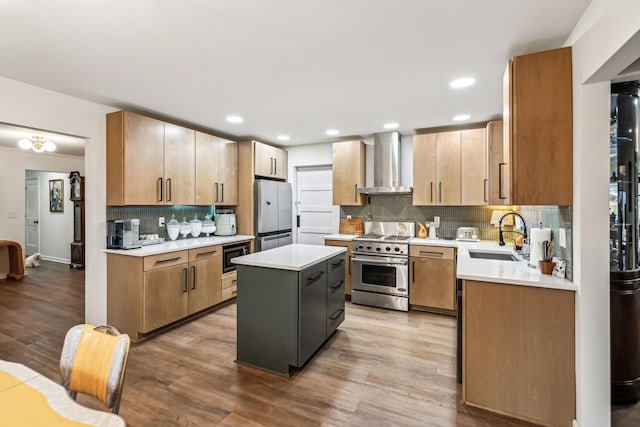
x=387 y=163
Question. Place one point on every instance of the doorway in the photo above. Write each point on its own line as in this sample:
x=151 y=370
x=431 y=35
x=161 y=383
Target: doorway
x=316 y=215
x=32 y=215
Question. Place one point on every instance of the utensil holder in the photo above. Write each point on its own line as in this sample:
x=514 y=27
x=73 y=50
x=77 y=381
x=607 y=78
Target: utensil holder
x=546 y=267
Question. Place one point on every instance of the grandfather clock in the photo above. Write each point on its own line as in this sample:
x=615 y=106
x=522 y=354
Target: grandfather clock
x=77 y=197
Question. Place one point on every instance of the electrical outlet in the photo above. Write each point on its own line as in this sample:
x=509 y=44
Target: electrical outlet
x=562 y=237
x=161 y=221
x=12 y=214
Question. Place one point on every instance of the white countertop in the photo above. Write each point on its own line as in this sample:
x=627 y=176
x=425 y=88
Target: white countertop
x=508 y=272
x=293 y=257
x=180 y=245
x=345 y=237
x=434 y=242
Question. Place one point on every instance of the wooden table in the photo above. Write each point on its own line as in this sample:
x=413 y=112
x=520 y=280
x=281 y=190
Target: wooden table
x=28 y=398
x=16 y=261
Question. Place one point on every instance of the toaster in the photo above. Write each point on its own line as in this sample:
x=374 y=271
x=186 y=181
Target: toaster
x=469 y=234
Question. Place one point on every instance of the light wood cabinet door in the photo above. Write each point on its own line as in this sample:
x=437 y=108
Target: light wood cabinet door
x=279 y=163
x=348 y=172
x=179 y=165
x=270 y=161
x=204 y=283
x=228 y=172
x=473 y=165
x=424 y=169
x=165 y=296
x=498 y=165
x=347 y=268
x=432 y=277
x=207 y=183
x=448 y=168
x=538 y=128
x=143 y=160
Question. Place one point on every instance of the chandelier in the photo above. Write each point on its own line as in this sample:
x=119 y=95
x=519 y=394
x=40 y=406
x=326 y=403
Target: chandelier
x=37 y=144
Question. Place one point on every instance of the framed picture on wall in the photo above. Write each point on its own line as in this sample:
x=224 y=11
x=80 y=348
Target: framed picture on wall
x=56 y=195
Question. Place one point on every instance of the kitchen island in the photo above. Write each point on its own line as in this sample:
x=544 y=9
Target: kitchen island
x=290 y=301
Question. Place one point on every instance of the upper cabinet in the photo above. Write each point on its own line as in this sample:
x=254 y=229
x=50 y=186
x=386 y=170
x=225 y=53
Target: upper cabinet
x=348 y=172
x=270 y=162
x=149 y=162
x=536 y=167
x=449 y=168
x=216 y=171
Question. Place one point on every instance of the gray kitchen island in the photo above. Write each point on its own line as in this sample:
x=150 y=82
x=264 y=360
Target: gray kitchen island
x=290 y=301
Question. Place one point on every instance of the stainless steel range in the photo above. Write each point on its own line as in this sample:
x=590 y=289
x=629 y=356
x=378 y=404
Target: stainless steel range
x=380 y=265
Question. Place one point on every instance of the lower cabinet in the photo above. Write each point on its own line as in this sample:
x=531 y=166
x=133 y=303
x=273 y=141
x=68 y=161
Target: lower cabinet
x=432 y=278
x=519 y=351
x=147 y=293
x=347 y=268
x=229 y=285
x=284 y=316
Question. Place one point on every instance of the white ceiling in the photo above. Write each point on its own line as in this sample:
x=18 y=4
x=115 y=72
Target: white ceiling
x=297 y=67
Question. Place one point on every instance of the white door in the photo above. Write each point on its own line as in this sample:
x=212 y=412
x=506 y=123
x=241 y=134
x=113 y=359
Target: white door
x=317 y=216
x=32 y=212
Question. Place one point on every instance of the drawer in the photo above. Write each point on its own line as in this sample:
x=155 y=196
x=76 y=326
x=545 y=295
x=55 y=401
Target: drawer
x=229 y=279
x=335 y=296
x=343 y=243
x=230 y=292
x=170 y=259
x=205 y=252
x=437 y=252
x=336 y=268
x=334 y=320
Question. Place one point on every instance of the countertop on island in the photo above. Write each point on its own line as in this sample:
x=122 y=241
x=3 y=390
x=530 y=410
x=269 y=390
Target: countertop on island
x=180 y=245
x=295 y=257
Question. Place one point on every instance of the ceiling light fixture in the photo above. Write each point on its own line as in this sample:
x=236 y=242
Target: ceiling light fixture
x=462 y=82
x=333 y=132
x=283 y=137
x=461 y=117
x=235 y=119
x=391 y=125
x=37 y=144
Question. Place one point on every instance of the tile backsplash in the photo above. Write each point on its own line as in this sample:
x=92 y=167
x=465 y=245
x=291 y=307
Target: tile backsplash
x=400 y=208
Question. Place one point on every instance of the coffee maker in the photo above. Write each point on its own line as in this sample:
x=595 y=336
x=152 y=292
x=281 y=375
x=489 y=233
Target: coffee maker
x=123 y=234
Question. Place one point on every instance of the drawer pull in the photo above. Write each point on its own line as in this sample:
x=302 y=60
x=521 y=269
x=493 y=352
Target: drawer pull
x=337 y=263
x=338 y=284
x=206 y=253
x=162 y=261
x=234 y=292
x=335 y=315
x=432 y=253
x=234 y=281
x=315 y=277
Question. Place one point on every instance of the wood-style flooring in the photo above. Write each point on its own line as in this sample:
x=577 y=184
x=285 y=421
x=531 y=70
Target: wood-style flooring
x=381 y=368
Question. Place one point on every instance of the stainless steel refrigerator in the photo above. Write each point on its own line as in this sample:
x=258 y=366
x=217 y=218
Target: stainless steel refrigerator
x=273 y=214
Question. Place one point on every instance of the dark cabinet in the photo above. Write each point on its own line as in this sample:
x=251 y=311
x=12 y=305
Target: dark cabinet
x=77 y=196
x=312 y=329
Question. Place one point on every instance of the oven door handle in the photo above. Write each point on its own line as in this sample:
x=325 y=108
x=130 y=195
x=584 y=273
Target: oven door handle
x=371 y=261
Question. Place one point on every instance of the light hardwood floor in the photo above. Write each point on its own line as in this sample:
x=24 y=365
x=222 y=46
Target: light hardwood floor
x=381 y=368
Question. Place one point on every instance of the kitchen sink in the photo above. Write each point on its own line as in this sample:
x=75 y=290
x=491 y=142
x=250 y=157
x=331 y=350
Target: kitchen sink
x=501 y=256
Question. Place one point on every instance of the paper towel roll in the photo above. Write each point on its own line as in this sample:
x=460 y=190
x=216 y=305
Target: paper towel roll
x=538 y=235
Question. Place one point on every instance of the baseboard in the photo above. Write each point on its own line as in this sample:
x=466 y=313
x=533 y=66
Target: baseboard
x=54 y=259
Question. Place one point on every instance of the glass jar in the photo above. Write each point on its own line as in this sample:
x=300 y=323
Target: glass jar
x=196 y=226
x=208 y=226
x=173 y=228
x=185 y=228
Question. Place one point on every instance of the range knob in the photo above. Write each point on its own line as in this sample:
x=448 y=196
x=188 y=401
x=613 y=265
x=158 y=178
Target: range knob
x=397 y=249
x=360 y=246
x=369 y=248
x=378 y=249
x=388 y=248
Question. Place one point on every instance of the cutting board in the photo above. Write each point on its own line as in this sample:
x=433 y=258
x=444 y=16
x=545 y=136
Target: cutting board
x=351 y=226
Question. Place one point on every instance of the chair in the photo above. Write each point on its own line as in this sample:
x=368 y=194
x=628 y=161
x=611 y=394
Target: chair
x=93 y=362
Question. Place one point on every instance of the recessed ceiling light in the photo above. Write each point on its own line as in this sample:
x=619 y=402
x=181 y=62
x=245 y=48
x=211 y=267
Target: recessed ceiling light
x=391 y=125
x=333 y=132
x=462 y=82
x=461 y=117
x=283 y=137
x=235 y=119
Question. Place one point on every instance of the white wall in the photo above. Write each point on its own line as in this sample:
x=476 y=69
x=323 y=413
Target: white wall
x=30 y=106
x=56 y=228
x=599 y=36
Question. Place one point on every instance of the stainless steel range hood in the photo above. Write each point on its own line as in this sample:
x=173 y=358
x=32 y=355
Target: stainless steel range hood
x=387 y=165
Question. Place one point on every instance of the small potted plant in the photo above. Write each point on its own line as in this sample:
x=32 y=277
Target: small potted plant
x=548 y=249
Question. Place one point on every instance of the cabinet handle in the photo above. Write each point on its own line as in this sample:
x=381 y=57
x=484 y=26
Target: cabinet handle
x=484 y=189
x=216 y=192
x=337 y=263
x=234 y=281
x=413 y=271
x=160 y=185
x=169 y=190
x=439 y=254
x=206 y=253
x=500 y=165
x=271 y=165
x=431 y=191
x=185 y=274
x=222 y=192
x=315 y=277
x=193 y=273
x=337 y=285
x=335 y=315
x=440 y=192
x=234 y=292
x=355 y=193
x=162 y=261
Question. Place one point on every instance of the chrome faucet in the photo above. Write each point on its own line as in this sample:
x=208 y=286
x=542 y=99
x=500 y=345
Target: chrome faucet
x=500 y=231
